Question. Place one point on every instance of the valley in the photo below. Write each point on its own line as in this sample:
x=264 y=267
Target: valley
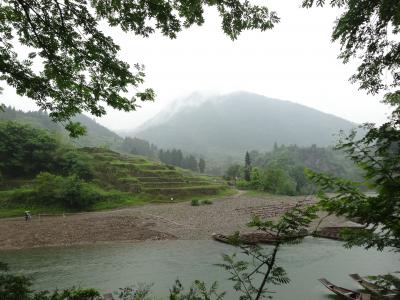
x=144 y=158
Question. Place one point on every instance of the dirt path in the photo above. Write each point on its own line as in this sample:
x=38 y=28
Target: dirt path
x=148 y=222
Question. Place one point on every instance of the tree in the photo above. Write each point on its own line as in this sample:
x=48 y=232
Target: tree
x=277 y=181
x=18 y=287
x=369 y=30
x=202 y=165
x=378 y=155
x=263 y=260
x=256 y=180
x=25 y=150
x=247 y=167
x=233 y=172
x=69 y=192
x=275 y=147
x=80 y=69
x=191 y=163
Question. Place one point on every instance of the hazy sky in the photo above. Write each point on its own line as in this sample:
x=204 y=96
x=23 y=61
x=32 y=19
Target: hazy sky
x=295 y=61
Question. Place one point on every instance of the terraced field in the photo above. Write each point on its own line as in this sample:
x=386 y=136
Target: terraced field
x=139 y=175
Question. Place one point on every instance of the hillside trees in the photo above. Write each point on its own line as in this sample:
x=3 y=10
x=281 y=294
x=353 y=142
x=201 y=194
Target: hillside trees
x=175 y=157
x=233 y=172
x=247 y=167
x=281 y=171
x=24 y=150
x=57 y=174
x=80 y=69
x=139 y=147
x=202 y=165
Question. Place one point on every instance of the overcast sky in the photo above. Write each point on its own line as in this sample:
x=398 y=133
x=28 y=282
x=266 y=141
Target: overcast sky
x=295 y=61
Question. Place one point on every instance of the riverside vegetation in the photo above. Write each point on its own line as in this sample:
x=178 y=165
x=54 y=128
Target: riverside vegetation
x=282 y=170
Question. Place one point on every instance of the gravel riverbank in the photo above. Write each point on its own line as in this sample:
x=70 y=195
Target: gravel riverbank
x=147 y=222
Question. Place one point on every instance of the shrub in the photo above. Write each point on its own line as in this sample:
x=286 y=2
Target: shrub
x=25 y=150
x=195 y=202
x=76 y=163
x=18 y=287
x=19 y=195
x=243 y=184
x=255 y=179
x=69 y=192
x=207 y=202
x=278 y=181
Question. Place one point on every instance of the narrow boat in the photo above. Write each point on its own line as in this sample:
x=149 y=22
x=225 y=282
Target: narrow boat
x=365 y=284
x=253 y=238
x=221 y=238
x=373 y=288
x=347 y=294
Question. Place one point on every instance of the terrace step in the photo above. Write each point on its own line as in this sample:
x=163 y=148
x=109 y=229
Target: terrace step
x=158 y=179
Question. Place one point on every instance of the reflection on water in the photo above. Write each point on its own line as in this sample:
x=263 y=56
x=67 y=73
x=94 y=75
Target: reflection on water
x=108 y=267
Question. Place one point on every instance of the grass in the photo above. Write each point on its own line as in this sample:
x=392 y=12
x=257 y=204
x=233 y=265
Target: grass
x=124 y=201
x=115 y=200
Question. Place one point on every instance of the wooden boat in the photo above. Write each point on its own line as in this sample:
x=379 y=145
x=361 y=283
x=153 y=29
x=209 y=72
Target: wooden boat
x=345 y=293
x=221 y=238
x=373 y=288
x=260 y=237
x=365 y=284
x=250 y=239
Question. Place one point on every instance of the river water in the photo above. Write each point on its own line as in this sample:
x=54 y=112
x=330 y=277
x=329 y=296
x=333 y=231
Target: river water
x=110 y=266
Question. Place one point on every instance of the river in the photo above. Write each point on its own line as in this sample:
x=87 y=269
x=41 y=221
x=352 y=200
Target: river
x=110 y=266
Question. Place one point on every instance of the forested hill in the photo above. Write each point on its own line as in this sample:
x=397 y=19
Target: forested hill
x=97 y=135
x=233 y=123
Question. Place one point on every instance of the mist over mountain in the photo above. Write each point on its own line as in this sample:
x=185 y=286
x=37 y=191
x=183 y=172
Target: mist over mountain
x=233 y=123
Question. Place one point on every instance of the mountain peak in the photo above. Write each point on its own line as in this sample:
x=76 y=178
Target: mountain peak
x=239 y=121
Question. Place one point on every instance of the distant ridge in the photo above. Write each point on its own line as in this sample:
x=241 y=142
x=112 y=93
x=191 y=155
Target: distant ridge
x=240 y=121
x=97 y=135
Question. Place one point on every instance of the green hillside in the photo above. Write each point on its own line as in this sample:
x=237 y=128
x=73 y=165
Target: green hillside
x=137 y=174
x=234 y=123
x=97 y=135
x=39 y=174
